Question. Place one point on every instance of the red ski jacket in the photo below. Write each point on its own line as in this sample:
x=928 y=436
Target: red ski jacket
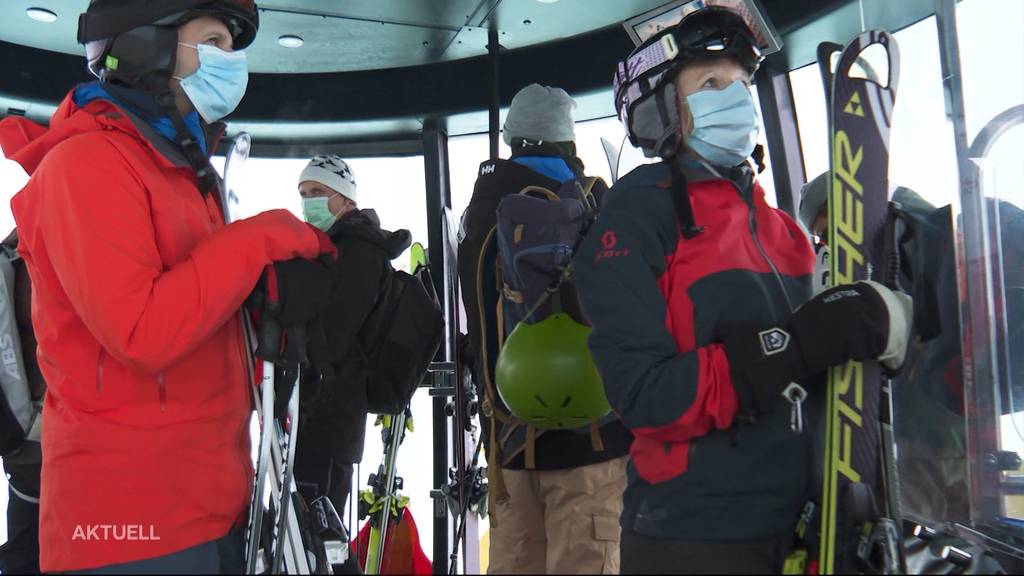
x=659 y=304
x=137 y=285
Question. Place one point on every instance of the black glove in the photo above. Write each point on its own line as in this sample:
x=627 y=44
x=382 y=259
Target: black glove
x=862 y=321
x=287 y=304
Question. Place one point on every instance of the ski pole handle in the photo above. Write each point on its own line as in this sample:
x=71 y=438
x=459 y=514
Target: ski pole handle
x=268 y=341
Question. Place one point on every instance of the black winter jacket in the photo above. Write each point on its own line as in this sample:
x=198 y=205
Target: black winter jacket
x=333 y=421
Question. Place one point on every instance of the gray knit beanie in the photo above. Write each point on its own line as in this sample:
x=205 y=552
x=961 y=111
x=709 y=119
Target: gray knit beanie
x=540 y=113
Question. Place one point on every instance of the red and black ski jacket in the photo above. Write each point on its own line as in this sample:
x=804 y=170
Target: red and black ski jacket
x=659 y=303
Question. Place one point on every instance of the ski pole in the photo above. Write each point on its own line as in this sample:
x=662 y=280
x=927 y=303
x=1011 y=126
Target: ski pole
x=266 y=397
x=286 y=480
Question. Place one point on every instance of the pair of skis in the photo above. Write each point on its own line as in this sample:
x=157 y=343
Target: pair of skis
x=382 y=499
x=285 y=552
x=465 y=492
x=861 y=520
x=287 y=545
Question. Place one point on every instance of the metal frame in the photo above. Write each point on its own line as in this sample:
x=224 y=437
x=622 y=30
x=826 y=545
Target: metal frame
x=494 y=106
x=435 y=161
x=782 y=131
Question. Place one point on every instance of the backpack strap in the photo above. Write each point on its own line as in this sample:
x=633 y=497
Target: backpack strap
x=595 y=437
x=586 y=189
x=499 y=492
x=541 y=191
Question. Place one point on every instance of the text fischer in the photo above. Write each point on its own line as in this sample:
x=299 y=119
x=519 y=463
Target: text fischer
x=847 y=194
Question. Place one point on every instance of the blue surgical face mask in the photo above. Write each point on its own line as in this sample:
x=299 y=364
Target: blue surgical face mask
x=216 y=88
x=724 y=124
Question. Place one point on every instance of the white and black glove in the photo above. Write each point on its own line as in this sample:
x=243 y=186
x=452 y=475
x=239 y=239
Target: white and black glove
x=822 y=268
x=862 y=321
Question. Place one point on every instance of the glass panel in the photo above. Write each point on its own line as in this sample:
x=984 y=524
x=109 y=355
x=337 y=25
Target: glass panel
x=928 y=395
x=992 y=61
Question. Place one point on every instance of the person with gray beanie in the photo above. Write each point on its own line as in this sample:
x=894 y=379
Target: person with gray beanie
x=555 y=495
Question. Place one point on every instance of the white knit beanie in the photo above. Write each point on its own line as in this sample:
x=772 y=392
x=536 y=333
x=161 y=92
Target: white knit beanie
x=333 y=172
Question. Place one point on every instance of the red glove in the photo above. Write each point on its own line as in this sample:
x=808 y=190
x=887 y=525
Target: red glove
x=281 y=236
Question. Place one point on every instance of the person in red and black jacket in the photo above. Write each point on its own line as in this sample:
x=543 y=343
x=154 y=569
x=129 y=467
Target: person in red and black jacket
x=698 y=293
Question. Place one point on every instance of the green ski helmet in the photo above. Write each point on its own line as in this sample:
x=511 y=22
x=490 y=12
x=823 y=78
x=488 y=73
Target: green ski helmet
x=546 y=376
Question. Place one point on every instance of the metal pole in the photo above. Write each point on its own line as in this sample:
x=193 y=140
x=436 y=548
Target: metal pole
x=435 y=159
x=783 y=136
x=494 y=105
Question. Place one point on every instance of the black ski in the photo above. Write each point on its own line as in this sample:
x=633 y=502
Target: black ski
x=858 y=533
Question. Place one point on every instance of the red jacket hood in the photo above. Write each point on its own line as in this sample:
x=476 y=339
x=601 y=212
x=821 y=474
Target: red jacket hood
x=27 y=142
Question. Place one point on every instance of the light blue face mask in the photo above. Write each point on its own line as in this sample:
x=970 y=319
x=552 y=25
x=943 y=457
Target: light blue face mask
x=724 y=124
x=216 y=88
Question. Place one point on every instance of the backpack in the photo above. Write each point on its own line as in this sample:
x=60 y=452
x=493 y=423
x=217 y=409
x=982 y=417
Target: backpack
x=399 y=339
x=537 y=233
x=20 y=413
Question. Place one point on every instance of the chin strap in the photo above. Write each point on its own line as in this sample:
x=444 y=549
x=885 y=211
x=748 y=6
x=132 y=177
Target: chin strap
x=681 y=199
x=189 y=145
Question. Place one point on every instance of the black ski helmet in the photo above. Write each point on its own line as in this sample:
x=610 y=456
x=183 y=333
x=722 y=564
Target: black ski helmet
x=134 y=42
x=644 y=87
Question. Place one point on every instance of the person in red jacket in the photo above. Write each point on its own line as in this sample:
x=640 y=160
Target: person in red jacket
x=137 y=290
x=698 y=293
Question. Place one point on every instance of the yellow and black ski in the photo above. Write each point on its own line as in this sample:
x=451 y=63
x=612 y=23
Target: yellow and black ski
x=859 y=529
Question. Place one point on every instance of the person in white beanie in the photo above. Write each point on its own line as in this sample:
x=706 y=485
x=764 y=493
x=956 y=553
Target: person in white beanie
x=328 y=191
x=334 y=412
x=555 y=495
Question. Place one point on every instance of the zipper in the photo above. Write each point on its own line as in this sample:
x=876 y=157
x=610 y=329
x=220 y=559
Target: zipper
x=753 y=233
x=162 y=387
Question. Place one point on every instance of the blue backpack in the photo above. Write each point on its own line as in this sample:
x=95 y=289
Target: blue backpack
x=538 y=231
